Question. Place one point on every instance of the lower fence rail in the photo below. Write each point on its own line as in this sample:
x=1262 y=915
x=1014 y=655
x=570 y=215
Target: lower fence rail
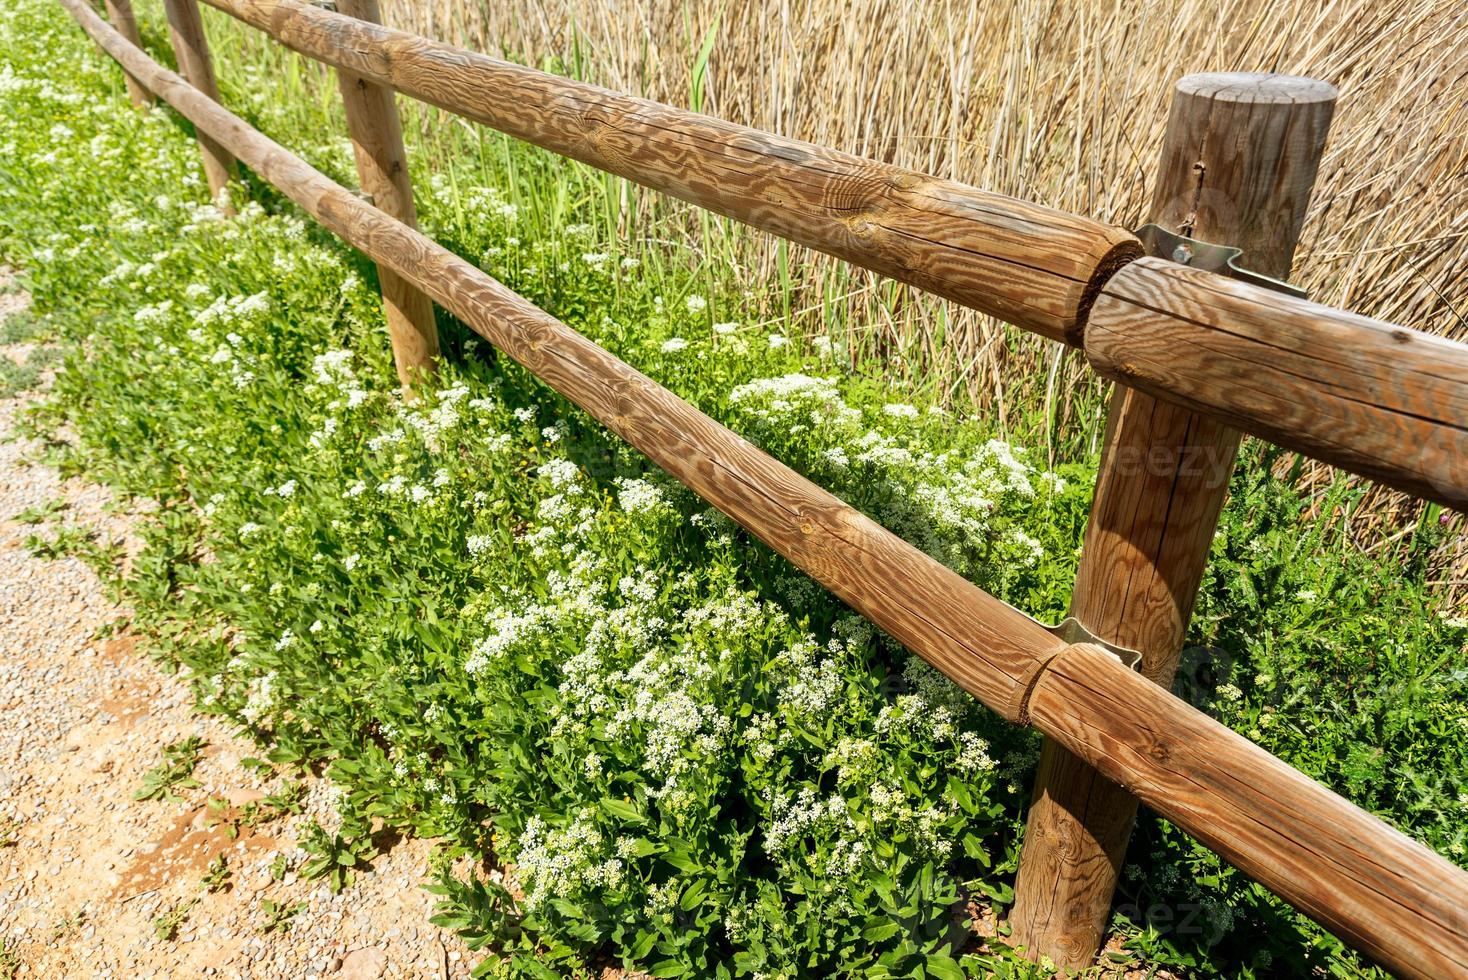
x=1386 y=894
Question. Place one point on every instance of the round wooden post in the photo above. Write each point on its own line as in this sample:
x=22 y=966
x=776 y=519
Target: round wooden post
x=192 y=50
x=120 y=12
x=1238 y=164
x=382 y=171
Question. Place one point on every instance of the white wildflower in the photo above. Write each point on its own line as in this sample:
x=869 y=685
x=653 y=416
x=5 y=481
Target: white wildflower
x=562 y=473
x=638 y=496
x=973 y=754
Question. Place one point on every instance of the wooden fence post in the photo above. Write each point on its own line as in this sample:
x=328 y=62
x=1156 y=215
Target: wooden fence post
x=120 y=12
x=382 y=171
x=1238 y=164
x=192 y=51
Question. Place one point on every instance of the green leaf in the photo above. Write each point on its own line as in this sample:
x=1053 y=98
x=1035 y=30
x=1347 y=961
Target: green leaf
x=643 y=945
x=944 y=967
x=622 y=810
x=642 y=847
x=693 y=894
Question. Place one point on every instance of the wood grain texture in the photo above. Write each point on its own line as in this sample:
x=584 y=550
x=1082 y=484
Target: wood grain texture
x=1239 y=161
x=191 y=49
x=1162 y=483
x=1376 y=888
x=1399 y=904
x=1371 y=397
x=1237 y=167
x=120 y=13
x=983 y=644
x=1030 y=265
x=382 y=171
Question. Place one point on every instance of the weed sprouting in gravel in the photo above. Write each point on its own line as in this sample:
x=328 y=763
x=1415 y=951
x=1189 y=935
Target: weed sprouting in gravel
x=175 y=773
x=335 y=855
x=166 y=924
x=218 y=876
x=278 y=915
x=40 y=513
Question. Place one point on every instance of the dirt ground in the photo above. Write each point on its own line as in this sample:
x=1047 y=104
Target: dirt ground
x=85 y=870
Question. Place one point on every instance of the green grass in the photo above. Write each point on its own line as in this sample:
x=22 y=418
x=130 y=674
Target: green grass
x=495 y=624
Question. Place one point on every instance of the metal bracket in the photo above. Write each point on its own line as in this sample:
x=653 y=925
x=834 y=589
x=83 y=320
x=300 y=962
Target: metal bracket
x=1223 y=259
x=1072 y=630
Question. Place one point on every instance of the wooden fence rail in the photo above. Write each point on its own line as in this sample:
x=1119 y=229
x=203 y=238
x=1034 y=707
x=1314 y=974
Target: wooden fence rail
x=1368 y=396
x=1031 y=265
x=1390 y=896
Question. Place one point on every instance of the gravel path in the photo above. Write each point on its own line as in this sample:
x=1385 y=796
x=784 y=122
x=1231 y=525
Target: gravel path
x=85 y=869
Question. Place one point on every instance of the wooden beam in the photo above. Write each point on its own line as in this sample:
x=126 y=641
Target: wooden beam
x=120 y=13
x=1238 y=163
x=1030 y=265
x=191 y=48
x=1376 y=888
x=382 y=171
x=1373 y=397
x=1391 y=896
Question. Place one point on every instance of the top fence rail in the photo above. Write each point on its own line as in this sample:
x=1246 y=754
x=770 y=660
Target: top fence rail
x=1372 y=397
x=1357 y=388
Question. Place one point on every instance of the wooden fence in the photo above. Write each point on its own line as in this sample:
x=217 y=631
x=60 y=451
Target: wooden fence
x=1199 y=356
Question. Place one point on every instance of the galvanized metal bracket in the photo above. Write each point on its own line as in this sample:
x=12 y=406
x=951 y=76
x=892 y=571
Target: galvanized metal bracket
x=1222 y=259
x=1072 y=630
